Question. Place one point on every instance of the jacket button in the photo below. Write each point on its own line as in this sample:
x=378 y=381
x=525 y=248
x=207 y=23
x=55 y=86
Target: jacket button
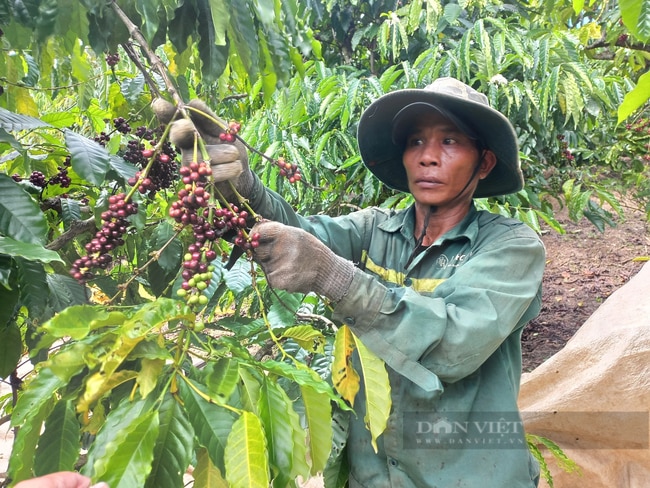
x=392 y=462
x=349 y=320
x=408 y=281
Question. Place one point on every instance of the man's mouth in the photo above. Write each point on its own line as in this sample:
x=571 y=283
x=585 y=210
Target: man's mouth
x=428 y=182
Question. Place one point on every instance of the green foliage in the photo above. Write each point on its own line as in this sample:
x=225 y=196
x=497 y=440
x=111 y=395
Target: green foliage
x=536 y=442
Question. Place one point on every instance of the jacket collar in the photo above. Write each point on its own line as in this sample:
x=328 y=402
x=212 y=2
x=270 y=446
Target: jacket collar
x=404 y=222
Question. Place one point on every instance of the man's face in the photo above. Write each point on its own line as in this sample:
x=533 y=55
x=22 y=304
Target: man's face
x=440 y=160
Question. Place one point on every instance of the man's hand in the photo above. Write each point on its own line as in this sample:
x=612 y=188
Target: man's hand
x=229 y=160
x=296 y=261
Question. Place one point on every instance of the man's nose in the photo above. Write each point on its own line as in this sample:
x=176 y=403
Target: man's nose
x=430 y=155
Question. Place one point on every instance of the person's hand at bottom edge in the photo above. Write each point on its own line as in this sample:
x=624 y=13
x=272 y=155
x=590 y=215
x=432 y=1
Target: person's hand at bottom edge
x=62 y=479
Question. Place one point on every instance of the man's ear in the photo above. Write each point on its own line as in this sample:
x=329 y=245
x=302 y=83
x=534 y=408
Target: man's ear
x=488 y=161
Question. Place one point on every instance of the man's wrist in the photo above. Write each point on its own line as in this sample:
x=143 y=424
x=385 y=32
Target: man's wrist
x=334 y=282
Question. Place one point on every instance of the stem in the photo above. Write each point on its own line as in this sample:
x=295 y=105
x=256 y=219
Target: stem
x=208 y=398
x=274 y=338
x=6 y=81
x=128 y=48
x=212 y=119
x=312 y=318
x=77 y=227
x=155 y=61
x=155 y=255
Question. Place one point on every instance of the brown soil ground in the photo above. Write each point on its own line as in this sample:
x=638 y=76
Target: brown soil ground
x=584 y=267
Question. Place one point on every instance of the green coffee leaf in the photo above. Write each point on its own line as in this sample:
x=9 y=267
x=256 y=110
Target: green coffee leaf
x=14 y=122
x=21 y=462
x=36 y=393
x=287 y=448
x=206 y=474
x=58 y=447
x=64 y=291
x=173 y=449
x=33 y=286
x=30 y=252
x=377 y=389
x=128 y=457
x=222 y=377
x=212 y=424
x=11 y=348
x=21 y=219
x=89 y=159
x=117 y=422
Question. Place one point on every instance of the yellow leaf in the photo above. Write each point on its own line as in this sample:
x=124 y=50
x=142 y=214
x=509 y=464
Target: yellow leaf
x=344 y=377
x=25 y=104
x=307 y=337
x=98 y=384
x=206 y=474
x=378 y=401
x=246 y=455
x=318 y=415
x=149 y=374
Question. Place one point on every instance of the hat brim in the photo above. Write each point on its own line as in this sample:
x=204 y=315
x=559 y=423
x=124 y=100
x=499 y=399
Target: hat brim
x=403 y=121
x=383 y=156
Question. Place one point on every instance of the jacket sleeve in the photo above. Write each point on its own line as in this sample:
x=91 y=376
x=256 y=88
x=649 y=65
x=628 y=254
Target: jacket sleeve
x=344 y=235
x=447 y=335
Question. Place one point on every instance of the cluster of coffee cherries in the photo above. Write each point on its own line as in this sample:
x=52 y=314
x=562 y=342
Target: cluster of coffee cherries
x=37 y=178
x=102 y=138
x=564 y=146
x=209 y=222
x=641 y=125
x=288 y=170
x=193 y=195
x=61 y=178
x=233 y=219
x=230 y=134
x=211 y=225
x=112 y=59
x=121 y=125
x=134 y=153
x=164 y=169
x=109 y=237
x=193 y=199
x=162 y=173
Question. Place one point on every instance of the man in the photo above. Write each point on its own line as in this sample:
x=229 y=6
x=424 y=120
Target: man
x=439 y=291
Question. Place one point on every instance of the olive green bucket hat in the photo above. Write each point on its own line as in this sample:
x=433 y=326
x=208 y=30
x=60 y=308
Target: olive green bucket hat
x=381 y=143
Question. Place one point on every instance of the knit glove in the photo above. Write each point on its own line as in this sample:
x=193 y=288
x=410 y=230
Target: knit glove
x=229 y=160
x=296 y=261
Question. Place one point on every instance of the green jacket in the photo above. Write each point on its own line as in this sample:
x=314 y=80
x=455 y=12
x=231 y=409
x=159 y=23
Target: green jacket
x=449 y=330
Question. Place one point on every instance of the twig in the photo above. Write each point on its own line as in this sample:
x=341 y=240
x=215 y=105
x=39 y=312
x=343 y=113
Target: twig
x=55 y=204
x=20 y=84
x=637 y=46
x=76 y=228
x=154 y=257
x=312 y=318
x=155 y=61
x=128 y=48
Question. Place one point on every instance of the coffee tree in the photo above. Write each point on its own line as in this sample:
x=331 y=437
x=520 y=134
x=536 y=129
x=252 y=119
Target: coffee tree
x=160 y=354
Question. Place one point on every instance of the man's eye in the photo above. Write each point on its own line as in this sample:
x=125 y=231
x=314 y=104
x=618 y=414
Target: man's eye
x=449 y=140
x=414 y=141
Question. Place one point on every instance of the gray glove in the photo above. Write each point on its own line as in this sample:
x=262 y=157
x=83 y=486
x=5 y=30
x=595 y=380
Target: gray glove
x=229 y=160
x=296 y=261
